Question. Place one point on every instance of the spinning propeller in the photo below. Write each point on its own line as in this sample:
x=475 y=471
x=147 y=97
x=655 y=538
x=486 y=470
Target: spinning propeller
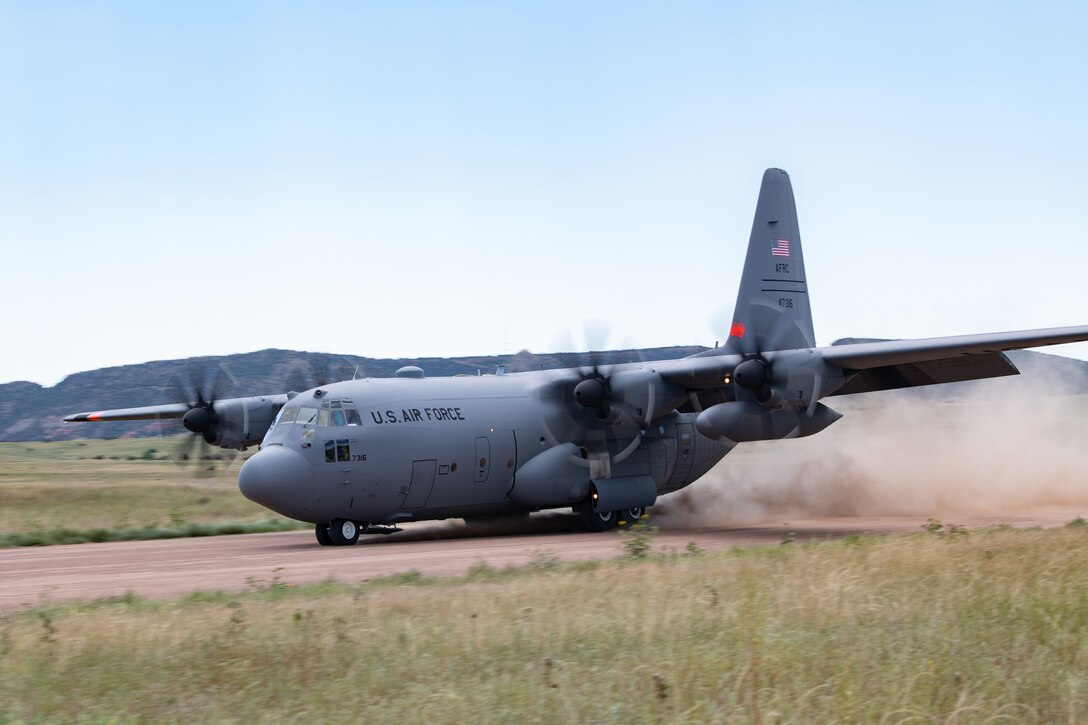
x=599 y=404
x=201 y=387
x=590 y=391
x=763 y=379
x=321 y=369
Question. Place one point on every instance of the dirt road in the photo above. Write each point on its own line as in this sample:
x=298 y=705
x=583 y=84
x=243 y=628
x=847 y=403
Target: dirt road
x=32 y=576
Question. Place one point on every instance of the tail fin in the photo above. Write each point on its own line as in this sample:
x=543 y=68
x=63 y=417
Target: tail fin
x=773 y=311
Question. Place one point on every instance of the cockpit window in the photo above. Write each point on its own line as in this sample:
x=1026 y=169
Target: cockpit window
x=338 y=413
x=300 y=416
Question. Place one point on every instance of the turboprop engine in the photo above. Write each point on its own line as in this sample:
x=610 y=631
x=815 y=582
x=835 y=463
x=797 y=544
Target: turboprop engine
x=233 y=423
x=776 y=397
x=743 y=421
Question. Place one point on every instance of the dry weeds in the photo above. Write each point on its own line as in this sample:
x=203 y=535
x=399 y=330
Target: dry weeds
x=986 y=627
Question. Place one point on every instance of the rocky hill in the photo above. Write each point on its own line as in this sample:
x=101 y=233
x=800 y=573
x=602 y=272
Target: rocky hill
x=29 y=411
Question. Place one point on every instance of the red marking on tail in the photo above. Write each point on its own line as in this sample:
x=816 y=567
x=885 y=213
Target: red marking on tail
x=736 y=330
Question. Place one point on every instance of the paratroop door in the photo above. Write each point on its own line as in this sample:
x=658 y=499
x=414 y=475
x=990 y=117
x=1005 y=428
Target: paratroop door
x=419 y=489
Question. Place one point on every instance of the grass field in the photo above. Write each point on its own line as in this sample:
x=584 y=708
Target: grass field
x=985 y=627
x=124 y=486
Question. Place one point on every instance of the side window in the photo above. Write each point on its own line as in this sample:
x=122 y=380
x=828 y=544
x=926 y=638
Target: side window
x=337 y=451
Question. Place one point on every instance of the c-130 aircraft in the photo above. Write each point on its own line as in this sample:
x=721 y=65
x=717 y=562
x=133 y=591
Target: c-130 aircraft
x=364 y=455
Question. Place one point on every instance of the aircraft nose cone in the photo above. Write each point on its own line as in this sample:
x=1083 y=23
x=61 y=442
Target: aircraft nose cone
x=276 y=478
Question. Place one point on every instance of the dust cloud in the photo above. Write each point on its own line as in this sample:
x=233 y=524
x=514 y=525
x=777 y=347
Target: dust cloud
x=1000 y=448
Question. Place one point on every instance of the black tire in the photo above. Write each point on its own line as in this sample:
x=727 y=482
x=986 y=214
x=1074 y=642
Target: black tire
x=322 y=532
x=598 y=521
x=632 y=516
x=343 y=532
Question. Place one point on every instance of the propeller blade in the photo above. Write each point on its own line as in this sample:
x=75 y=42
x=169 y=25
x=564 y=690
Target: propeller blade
x=221 y=384
x=184 y=451
x=199 y=387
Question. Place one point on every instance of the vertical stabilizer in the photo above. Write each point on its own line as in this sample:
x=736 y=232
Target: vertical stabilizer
x=772 y=311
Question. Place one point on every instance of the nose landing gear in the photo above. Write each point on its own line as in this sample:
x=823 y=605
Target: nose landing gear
x=339 y=532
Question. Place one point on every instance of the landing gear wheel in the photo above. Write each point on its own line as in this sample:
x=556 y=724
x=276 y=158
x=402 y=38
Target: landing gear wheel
x=322 y=532
x=343 y=532
x=597 y=521
x=632 y=516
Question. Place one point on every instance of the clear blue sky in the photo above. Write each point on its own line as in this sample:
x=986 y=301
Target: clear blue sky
x=436 y=178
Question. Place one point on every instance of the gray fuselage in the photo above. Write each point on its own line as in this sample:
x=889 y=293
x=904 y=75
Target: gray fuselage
x=430 y=448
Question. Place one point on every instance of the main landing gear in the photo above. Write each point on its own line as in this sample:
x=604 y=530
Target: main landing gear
x=339 y=532
x=597 y=521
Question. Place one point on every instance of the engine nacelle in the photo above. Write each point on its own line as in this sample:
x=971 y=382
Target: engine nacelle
x=559 y=476
x=241 y=422
x=743 y=421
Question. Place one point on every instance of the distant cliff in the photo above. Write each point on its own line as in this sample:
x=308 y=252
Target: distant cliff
x=29 y=411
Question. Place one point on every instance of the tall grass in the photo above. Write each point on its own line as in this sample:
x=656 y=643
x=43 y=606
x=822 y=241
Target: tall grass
x=987 y=627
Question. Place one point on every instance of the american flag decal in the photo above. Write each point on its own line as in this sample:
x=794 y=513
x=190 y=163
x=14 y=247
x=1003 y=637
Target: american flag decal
x=780 y=248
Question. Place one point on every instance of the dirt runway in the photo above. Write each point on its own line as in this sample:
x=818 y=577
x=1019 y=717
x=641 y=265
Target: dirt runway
x=172 y=567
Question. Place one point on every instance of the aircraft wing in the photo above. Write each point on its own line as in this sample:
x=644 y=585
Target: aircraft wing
x=151 y=412
x=929 y=372
x=888 y=364
x=227 y=423
x=867 y=355
x=892 y=364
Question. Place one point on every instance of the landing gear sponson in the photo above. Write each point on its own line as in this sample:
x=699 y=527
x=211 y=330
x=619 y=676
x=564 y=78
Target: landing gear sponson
x=342 y=532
